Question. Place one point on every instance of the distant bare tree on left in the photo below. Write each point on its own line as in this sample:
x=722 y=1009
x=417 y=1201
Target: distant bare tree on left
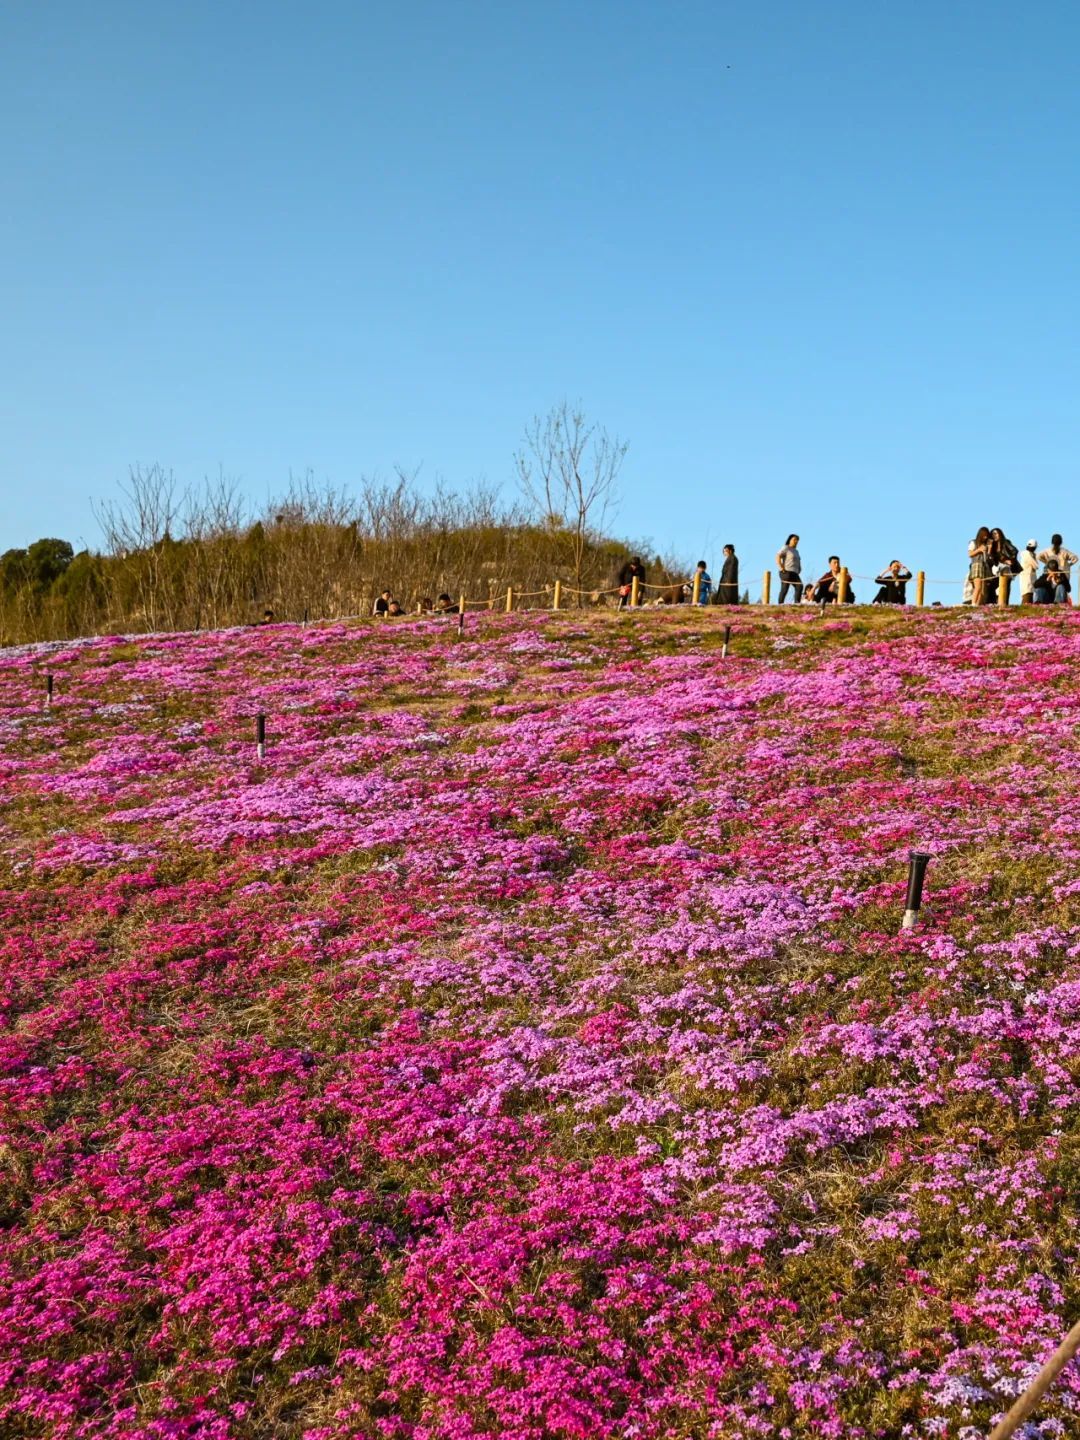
x=568 y=469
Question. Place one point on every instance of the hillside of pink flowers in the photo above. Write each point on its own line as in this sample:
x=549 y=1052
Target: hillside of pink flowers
x=526 y=1048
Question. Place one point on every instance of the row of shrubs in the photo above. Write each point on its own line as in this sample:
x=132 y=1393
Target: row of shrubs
x=183 y=562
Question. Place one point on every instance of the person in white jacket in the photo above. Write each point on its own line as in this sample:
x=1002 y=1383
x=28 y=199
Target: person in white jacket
x=1029 y=568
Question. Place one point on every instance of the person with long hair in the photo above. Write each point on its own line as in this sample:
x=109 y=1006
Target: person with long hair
x=1003 y=561
x=789 y=564
x=979 y=565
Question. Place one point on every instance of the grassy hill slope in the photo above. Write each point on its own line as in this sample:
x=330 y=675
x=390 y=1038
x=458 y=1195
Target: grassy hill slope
x=526 y=1047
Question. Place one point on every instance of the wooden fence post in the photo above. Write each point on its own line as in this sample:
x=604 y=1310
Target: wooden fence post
x=1039 y=1386
x=842 y=591
x=766 y=587
x=633 y=590
x=920 y=588
x=558 y=595
x=461 y=606
x=1003 y=590
x=697 y=587
x=509 y=598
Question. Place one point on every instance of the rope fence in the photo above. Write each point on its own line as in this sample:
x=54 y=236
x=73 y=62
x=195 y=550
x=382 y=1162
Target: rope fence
x=679 y=590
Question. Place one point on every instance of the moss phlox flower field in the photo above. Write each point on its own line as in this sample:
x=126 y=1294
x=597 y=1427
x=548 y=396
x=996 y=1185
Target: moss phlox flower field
x=526 y=1047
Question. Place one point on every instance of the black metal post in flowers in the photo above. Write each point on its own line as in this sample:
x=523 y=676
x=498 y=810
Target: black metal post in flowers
x=917 y=863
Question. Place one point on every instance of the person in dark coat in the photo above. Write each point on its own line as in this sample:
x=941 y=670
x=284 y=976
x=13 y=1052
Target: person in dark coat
x=893 y=581
x=633 y=569
x=727 y=591
x=827 y=589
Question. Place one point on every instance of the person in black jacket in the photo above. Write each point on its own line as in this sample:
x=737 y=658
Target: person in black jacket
x=893 y=581
x=631 y=570
x=1004 y=563
x=827 y=589
x=727 y=591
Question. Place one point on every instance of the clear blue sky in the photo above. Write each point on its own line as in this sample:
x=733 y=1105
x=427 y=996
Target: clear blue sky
x=817 y=262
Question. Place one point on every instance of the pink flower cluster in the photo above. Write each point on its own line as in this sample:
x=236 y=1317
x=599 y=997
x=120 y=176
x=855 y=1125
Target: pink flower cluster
x=526 y=1048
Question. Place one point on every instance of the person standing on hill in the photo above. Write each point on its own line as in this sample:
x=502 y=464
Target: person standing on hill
x=1003 y=561
x=727 y=592
x=633 y=569
x=1029 y=568
x=789 y=564
x=704 y=584
x=979 y=564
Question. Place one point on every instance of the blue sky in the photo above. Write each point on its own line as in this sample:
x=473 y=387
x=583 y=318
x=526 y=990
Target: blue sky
x=817 y=263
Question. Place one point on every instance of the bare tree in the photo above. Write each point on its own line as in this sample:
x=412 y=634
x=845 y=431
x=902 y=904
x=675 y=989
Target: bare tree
x=142 y=525
x=213 y=518
x=568 y=469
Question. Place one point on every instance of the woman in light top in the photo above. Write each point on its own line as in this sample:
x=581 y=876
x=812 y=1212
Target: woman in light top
x=979 y=567
x=789 y=565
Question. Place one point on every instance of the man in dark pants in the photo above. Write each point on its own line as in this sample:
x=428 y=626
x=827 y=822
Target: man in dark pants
x=893 y=581
x=727 y=591
x=827 y=589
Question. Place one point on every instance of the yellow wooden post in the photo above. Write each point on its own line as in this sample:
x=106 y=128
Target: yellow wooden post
x=509 y=598
x=920 y=588
x=843 y=588
x=1003 y=590
x=558 y=595
x=634 y=590
x=697 y=587
x=461 y=606
x=766 y=587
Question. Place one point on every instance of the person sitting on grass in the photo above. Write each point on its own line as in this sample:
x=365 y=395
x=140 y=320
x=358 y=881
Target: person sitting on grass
x=444 y=605
x=827 y=590
x=383 y=603
x=893 y=581
x=631 y=571
x=1052 y=587
x=1059 y=562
